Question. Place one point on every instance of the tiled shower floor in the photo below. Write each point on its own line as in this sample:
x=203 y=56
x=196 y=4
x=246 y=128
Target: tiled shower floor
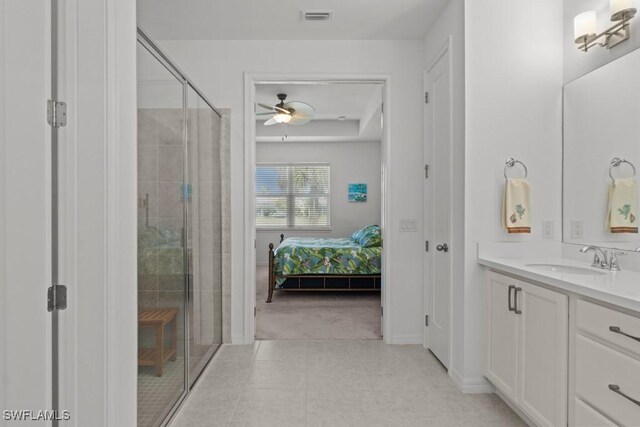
x=157 y=394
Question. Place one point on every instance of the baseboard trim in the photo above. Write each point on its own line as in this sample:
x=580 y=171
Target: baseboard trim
x=405 y=339
x=471 y=385
x=238 y=340
x=515 y=409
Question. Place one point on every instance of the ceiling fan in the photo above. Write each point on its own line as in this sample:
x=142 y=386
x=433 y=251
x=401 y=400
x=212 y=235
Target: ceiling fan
x=291 y=113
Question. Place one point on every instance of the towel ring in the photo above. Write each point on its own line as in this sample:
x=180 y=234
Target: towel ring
x=615 y=162
x=511 y=162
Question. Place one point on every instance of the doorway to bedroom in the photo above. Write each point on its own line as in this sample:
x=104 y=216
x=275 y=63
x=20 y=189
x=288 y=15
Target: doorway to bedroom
x=318 y=210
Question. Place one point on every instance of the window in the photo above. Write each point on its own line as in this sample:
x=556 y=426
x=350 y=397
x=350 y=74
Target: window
x=294 y=195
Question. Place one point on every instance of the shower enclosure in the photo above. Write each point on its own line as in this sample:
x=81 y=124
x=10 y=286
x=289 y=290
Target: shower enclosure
x=179 y=234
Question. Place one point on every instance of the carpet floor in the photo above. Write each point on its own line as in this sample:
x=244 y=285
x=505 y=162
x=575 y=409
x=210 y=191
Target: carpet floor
x=315 y=315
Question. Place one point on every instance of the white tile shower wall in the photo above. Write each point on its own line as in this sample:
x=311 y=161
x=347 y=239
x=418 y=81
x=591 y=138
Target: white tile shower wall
x=217 y=68
x=578 y=63
x=351 y=162
x=513 y=108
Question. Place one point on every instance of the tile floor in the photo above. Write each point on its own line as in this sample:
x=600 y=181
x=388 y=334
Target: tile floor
x=334 y=383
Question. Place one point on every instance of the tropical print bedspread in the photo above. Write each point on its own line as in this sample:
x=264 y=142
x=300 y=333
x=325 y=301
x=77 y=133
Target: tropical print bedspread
x=310 y=255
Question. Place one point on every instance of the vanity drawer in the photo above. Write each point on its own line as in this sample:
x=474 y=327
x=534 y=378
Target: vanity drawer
x=598 y=367
x=597 y=320
x=586 y=416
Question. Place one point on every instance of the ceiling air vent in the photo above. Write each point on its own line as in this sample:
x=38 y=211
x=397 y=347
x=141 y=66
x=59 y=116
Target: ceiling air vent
x=316 y=15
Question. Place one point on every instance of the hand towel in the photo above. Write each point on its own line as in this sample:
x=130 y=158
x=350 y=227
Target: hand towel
x=516 y=206
x=623 y=206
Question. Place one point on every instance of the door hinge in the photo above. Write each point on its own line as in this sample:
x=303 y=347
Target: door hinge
x=57 y=298
x=382 y=108
x=56 y=113
x=426 y=320
x=426 y=171
x=255 y=311
x=426 y=97
x=381 y=311
x=426 y=246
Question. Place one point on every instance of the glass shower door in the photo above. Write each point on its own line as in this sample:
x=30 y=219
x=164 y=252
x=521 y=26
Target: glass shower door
x=203 y=232
x=161 y=255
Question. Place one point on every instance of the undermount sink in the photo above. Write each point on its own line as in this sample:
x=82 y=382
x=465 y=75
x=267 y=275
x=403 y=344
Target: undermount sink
x=568 y=269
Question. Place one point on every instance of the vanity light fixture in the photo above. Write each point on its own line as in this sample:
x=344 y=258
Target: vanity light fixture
x=584 y=26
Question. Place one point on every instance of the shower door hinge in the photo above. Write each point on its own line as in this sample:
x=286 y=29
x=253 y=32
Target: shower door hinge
x=56 y=113
x=426 y=97
x=426 y=320
x=57 y=298
x=426 y=171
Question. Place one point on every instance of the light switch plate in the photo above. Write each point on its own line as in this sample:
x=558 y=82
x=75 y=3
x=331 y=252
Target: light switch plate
x=548 y=230
x=577 y=229
x=409 y=224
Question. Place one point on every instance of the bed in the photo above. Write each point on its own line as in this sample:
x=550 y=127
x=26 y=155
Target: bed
x=327 y=264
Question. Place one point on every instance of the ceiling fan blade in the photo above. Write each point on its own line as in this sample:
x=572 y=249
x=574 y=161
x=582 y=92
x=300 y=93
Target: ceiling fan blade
x=281 y=110
x=270 y=122
x=303 y=112
x=268 y=107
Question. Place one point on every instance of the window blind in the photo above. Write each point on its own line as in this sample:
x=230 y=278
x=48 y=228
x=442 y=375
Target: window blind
x=294 y=195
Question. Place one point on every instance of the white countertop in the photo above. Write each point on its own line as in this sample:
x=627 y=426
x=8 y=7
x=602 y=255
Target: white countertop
x=621 y=288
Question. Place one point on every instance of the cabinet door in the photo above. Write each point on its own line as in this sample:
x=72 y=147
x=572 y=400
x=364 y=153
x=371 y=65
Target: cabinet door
x=543 y=360
x=502 y=335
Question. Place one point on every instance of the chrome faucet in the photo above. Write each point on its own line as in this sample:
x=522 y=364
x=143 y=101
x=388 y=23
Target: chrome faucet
x=604 y=259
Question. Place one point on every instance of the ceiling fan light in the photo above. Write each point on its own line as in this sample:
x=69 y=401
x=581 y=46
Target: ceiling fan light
x=282 y=118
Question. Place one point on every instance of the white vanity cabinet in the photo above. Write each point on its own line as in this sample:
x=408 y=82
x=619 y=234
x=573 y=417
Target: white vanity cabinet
x=527 y=344
x=607 y=366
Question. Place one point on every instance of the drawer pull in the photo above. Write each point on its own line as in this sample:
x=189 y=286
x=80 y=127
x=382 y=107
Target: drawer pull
x=515 y=301
x=616 y=389
x=511 y=308
x=617 y=330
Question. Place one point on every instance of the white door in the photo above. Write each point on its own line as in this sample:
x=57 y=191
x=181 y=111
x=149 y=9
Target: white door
x=544 y=345
x=25 y=206
x=502 y=335
x=438 y=206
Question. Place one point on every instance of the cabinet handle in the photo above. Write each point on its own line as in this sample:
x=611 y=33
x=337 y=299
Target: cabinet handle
x=617 y=330
x=616 y=389
x=511 y=287
x=515 y=301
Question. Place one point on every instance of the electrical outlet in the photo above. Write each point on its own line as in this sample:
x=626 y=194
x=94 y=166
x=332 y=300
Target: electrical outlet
x=577 y=230
x=547 y=230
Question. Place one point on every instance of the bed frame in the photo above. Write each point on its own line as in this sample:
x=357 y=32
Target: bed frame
x=321 y=282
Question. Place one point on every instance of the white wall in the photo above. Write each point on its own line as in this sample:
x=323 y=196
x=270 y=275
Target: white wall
x=578 y=63
x=450 y=24
x=513 y=108
x=217 y=68
x=350 y=162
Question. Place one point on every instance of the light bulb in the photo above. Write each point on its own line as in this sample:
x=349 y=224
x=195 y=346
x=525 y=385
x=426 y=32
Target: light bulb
x=584 y=25
x=618 y=8
x=282 y=118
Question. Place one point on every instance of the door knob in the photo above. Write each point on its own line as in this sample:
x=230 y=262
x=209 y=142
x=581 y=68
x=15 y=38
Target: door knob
x=442 y=248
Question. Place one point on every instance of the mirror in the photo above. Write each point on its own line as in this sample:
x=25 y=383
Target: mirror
x=602 y=122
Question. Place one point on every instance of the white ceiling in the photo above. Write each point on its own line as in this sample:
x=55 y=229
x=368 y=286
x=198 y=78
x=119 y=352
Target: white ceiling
x=280 y=19
x=359 y=103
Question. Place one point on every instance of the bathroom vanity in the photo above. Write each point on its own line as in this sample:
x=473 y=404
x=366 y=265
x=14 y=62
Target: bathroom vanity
x=563 y=340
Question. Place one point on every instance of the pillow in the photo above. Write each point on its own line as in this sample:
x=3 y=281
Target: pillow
x=369 y=237
x=358 y=233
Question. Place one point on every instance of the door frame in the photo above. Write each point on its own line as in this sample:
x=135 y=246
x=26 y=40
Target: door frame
x=98 y=210
x=428 y=210
x=250 y=82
